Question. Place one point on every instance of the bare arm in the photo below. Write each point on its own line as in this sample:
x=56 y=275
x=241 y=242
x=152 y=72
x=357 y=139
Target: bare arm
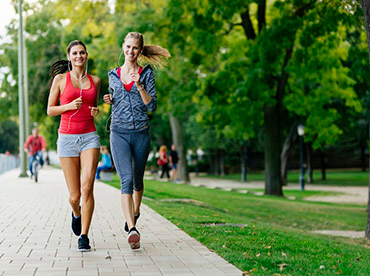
x=55 y=90
x=95 y=109
x=144 y=95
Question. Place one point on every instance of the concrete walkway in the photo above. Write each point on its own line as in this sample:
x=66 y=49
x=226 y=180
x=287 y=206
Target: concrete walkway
x=36 y=239
x=351 y=194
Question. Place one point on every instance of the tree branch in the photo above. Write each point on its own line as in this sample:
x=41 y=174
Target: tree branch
x=247 y=25
x=302 y=10
x=231 y=26
x=261 y=15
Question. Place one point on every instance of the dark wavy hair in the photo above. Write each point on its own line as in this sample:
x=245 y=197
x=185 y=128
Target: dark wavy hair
x=62 y=66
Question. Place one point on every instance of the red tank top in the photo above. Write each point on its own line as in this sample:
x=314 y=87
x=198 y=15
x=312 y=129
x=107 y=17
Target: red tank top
x=77 y=121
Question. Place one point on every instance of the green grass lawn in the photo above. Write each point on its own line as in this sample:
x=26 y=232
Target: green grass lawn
x=276 y=238
x=333 y=177
x=295 y=194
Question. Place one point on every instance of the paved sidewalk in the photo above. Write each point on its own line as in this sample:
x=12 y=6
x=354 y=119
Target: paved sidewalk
x=36 y=239
x=351 y=194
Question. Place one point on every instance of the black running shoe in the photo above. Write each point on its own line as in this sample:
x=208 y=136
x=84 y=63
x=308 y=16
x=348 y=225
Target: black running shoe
x=76 y=224
x=84 y=244
x=136 y=218
x=134 y=238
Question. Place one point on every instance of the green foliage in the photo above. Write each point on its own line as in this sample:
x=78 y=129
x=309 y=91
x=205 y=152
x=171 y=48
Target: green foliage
x=9 y=137
x=218 y=80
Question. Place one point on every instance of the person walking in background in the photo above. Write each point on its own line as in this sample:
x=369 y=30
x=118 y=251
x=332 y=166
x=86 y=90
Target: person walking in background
x=78 y=144
x=163 y=161
x=132 y=94
x=174 y=160
x=35 y=145
x=105 y=160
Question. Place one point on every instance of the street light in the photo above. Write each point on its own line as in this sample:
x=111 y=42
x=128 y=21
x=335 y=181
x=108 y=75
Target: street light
x=300 y=130
x=21 y=108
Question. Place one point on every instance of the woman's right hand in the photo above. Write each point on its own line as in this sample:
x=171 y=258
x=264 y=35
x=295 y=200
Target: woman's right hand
x=108 y=98
x=76 y=104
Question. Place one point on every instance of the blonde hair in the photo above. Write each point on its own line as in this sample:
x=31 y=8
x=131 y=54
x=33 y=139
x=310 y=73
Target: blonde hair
x=163 y=148
x=152 y=54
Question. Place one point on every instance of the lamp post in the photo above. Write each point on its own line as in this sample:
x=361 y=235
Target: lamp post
x=21 y=94
x=300 y=130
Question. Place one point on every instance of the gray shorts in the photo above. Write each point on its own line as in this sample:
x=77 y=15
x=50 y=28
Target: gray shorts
x=71 y=145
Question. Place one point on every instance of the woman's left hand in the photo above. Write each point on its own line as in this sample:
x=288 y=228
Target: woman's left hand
x=94 y=111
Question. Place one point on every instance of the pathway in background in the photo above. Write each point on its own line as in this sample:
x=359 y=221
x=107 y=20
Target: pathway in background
x=36 y=239
x=353 y=194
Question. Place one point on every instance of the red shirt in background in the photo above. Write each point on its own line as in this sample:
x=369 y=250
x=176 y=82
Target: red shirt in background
x=35 y=144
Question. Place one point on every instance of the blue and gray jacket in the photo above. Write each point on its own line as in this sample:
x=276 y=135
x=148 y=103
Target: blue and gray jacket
x=128 y=110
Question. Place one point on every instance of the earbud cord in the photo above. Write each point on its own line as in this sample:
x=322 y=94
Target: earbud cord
x=80 y=80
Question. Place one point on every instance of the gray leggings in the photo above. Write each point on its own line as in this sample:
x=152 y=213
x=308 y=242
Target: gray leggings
x=130 y=150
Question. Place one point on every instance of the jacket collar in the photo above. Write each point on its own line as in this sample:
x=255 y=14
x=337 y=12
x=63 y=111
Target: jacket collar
x=114 y=70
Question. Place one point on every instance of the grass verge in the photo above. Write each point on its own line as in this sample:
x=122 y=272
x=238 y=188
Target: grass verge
x=276 y=237
x=333 y=177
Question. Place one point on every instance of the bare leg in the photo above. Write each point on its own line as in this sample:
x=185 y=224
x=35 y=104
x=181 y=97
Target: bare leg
x=89 y=163
x=138 y=196
x=172 y=173
x=128 y=209
x=175 y=174
x=71 y=171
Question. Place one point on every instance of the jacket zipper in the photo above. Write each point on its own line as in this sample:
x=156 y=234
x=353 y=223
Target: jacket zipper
x=129 y=96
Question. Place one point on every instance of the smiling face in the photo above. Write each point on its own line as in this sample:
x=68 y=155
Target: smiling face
x=78 y=56
x=131 y=49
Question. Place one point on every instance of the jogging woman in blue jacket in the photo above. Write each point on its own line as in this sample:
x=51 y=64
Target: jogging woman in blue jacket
x=132 y=95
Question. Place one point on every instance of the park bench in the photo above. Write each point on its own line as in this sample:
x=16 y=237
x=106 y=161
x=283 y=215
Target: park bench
x=107 y=174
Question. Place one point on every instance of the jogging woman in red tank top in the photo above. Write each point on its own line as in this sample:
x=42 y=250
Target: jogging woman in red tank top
x=78 y=144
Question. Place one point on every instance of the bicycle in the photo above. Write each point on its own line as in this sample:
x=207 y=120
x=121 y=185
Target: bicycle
x=36 y=167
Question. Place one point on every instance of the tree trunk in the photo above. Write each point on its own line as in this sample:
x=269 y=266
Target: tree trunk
x=222 y=162
x=215 y=163
x=367 y=231
x=366 y=8
x=286 y=152
x=272 y=152
x=323 y=165
x=211 y=164
x=178 y=140
x=363 y=158
x=244 y=159
x=365 y=4
x=309 y=163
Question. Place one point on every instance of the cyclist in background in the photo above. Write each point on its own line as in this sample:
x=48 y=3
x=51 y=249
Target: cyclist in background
x=34 y=146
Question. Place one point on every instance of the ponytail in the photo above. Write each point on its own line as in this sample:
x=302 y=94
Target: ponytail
x=152 y=54
x=59 y=67
x=155 y=55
